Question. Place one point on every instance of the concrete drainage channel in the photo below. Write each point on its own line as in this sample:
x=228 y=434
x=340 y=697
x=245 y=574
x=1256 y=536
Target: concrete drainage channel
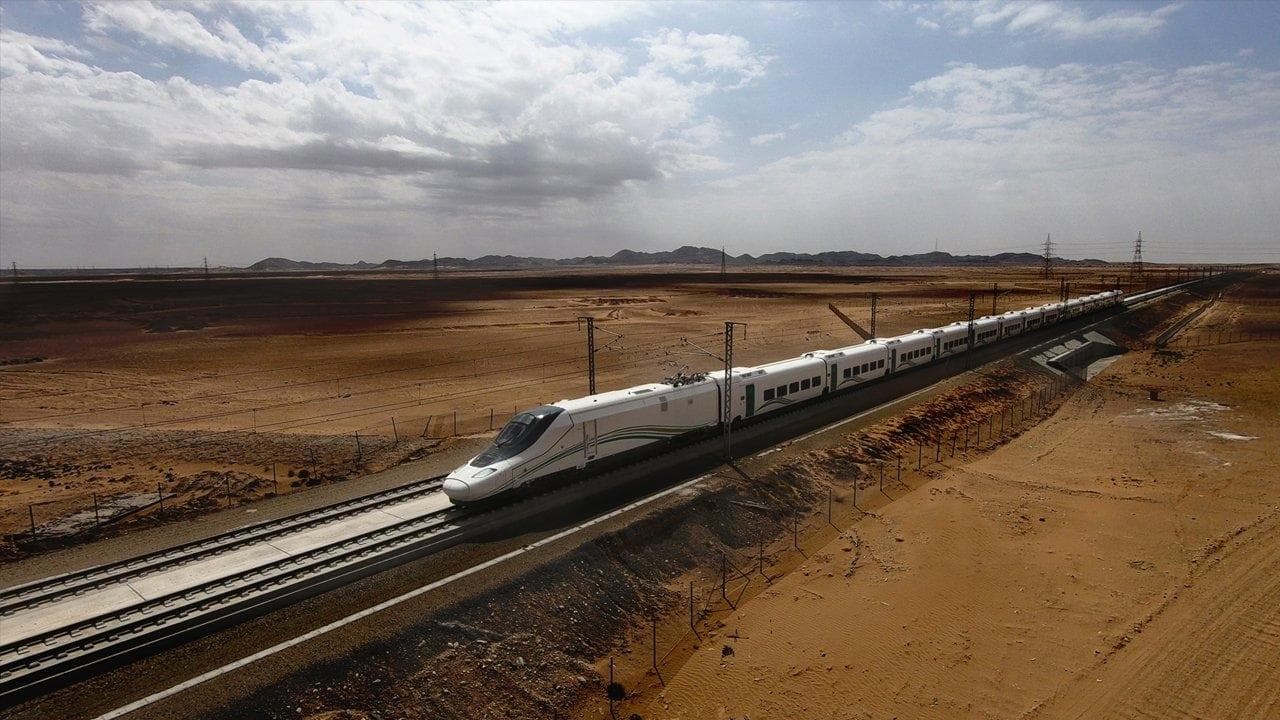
x=66 y=654
x=1087 y=356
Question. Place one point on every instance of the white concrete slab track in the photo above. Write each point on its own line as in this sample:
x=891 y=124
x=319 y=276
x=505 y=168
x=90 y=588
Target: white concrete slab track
x=60 y=629
x=67 y=620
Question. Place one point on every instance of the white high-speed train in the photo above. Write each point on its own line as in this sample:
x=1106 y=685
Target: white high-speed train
x=614 y=426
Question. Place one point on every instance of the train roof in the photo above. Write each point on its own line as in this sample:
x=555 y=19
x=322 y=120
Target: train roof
x=866 y=347
x=786 y=364
x=618 y=397
x=921 y=334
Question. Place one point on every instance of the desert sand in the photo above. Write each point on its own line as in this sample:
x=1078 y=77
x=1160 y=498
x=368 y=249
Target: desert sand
x=1086 y=550
x=1121 y=559
x=218 y=392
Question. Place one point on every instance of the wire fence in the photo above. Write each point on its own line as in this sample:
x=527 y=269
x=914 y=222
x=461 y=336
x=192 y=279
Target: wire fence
x=716 y=590
x=252 y=460
x=1208 y=336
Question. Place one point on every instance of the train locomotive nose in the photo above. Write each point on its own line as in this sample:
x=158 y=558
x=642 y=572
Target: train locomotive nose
x=457 y=490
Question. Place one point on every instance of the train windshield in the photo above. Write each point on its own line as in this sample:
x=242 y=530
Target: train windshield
x=518 y=434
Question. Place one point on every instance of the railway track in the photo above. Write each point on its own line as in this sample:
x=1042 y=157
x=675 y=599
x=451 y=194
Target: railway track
x=61 y=629
x=67 y=625
x=45 y=590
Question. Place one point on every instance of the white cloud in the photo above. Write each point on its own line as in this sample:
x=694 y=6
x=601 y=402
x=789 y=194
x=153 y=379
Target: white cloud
x=1073 y=21
x=767 y=138
x=500 y=110
x=1087 y=152
x=48 y=46
x=688 y=53
x=175 y=28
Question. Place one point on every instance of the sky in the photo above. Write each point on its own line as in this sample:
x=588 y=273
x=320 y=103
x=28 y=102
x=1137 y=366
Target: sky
x=158 y=134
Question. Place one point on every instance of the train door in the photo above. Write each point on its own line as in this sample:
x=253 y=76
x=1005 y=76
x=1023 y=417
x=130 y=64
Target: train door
x=589 y=443
x=835 y=376
x=751 y=400
x=893 y=360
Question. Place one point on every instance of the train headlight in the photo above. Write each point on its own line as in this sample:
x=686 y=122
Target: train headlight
x=485 y=473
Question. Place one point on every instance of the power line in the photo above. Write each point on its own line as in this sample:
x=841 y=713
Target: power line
x=1135 y=267
x=339 y=415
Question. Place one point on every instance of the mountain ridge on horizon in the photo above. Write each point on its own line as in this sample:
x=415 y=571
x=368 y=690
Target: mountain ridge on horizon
x=684 y=255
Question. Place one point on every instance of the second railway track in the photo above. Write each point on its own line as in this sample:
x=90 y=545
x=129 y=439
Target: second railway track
x=274 y=563
x=21 y=597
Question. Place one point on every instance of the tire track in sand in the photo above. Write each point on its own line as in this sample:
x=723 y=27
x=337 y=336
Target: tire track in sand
x=1212 y=650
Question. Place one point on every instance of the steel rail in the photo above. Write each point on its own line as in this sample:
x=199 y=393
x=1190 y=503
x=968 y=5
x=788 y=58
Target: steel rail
x=67 y=653
x=49 y=589
x=40 y=656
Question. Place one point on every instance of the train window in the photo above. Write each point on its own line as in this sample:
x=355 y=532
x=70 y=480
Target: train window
x=517 y=435
x=795 y=387
x=782 y=391
x=848 y=373
x=817 y=381
x=804 y=384
x=768 y=394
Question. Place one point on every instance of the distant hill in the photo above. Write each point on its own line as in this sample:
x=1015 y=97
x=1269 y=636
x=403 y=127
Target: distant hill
x=686 y=255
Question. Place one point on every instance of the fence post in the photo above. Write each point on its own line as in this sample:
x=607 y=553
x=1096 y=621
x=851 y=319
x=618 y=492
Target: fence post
x=490 y=418
x=899 y=468
x=160 y=492
x=724 y=579
x=275 y=484
x=937 y=450
x=455 y=423
x=829 y=504
x=919 y=457
x=795 y=530
x=394 y=430
x=654 y=618
x=609 y=690
x=855 y=483
x=226 y=479
x=692 y=625
x=31 y=513
x=359 y=450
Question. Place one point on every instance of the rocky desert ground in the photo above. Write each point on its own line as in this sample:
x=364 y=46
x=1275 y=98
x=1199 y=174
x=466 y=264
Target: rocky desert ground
x=210 y=393
x=1008 y=544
